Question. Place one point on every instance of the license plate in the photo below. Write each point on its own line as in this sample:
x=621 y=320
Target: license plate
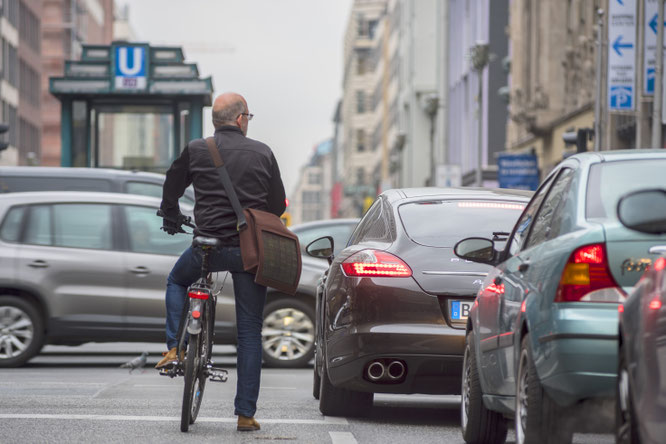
x=460 y=310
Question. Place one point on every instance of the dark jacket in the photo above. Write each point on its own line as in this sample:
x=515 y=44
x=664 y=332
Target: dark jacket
x=253 y=171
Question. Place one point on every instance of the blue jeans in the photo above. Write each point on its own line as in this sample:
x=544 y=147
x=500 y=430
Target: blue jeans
x=250 y=300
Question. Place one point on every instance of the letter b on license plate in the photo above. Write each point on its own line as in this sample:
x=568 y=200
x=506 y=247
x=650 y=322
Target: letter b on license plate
x=460 y=310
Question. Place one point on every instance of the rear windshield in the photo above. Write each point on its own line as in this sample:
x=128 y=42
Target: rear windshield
x=611 y=180
x=444 y=223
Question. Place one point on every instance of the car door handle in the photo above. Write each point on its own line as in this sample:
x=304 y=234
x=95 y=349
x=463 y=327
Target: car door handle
x=140 y=270
x=523 y=267
x=38 y=264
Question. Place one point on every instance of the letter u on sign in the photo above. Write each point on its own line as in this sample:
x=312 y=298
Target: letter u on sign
x=130 y=64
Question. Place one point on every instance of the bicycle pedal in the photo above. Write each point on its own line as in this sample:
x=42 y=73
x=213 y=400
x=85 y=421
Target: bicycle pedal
x=216 y=374
x=171 y=369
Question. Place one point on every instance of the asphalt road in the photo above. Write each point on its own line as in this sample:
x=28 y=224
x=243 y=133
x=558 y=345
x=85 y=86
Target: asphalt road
x=79 y=394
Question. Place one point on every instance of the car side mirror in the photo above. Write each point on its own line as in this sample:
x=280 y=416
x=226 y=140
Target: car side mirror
x=476 y=249
x=321 y=248
x=644 y=211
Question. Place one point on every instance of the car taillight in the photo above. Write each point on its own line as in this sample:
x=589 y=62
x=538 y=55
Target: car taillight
x=198 y=294
x=587 y=278
x=375 y=263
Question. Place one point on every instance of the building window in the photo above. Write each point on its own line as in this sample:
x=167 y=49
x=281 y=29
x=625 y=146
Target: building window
x=360 y=101
x=314 y=178
x=360 y=140
x=311 y=197
x=10 y=10
x=361 y=62
x=360 y=176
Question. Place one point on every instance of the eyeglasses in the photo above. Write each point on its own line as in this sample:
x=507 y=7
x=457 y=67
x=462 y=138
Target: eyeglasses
x=248 y=115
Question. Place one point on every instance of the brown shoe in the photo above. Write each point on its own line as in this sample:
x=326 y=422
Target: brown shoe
x=169 y=357
x=246 y=424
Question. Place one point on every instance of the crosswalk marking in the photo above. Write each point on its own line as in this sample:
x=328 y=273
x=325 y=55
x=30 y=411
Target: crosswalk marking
x=326 y=421
x=342 y=438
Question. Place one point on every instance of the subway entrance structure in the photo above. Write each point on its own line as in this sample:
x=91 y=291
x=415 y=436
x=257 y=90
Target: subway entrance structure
x=129 y=106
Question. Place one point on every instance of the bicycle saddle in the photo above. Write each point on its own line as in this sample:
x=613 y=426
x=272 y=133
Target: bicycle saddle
x=201 y=241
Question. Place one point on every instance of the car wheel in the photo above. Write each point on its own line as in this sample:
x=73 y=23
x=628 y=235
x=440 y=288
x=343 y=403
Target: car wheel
x=21 y=331
x=626 y=430
x=288 y=333
x=537 y=415
x=335 y=401
x=479 y=425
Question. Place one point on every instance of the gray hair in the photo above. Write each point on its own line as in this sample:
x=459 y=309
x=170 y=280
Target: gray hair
x=228 y=115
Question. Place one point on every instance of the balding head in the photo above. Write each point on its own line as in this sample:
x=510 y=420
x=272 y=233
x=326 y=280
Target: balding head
x=227 y=108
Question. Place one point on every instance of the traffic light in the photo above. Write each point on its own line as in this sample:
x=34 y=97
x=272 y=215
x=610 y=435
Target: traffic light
x=3 y=129
x=578 y=138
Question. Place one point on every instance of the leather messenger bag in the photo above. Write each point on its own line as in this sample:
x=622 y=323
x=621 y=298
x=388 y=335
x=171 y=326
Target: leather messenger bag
x=268 y=248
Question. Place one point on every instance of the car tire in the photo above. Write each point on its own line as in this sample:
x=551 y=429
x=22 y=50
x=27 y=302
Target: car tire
x=30 y=334
x=626 y=429
x=478 y=424
x=537 y=417
x=288 y=333
x=335 y=401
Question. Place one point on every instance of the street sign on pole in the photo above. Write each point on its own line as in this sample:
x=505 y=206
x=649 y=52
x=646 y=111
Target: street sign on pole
x=650 y=39
x=519 y=171
x=622 y=55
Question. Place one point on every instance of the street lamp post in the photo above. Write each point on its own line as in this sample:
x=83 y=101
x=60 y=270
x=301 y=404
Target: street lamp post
x=480 y=57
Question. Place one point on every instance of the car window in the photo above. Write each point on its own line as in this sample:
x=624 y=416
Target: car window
x=11 y=226
x=548 y=219
x=83 y=226
x=152 y=190
x=375 y=225
x=145 y=235
x=38 y=231
x=43 y=183
x=608 y=181
x=442 y=223
x=339 y=232
x=522 y=228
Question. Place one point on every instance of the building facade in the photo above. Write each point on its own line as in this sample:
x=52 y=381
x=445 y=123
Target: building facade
x=478 y=46
x=311 y=199
x=552 y=80
x=66 y=26
x=20 y=32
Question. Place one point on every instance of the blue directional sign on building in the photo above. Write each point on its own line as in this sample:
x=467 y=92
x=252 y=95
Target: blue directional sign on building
x=650 y=38
x=518 y=171
x=130 y=68
x=622 y=55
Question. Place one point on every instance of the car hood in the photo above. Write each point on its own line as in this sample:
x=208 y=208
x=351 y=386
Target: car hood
x=439 y=271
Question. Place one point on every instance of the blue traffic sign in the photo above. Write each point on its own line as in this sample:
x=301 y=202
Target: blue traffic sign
x=621 y=97
x=518 y=171
x=618 y=45
x=131 y=67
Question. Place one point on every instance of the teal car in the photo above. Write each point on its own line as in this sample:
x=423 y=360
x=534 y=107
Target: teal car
x=541 y=343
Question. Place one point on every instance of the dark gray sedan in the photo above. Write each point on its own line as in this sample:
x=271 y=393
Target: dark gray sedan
x=392 y=310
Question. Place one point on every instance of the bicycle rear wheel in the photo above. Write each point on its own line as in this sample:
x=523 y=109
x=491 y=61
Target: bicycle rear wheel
x=198 y=352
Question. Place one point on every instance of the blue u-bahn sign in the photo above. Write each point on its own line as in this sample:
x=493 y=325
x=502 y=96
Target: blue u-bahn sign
x=518 y=171
x=130 y=68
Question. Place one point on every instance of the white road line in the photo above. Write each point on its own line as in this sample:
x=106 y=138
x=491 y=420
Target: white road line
x=326 y=421
x=342 y=438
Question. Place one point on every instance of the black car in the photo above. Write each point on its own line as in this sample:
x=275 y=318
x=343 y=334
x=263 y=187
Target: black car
x=641 y=382
x=392 y=309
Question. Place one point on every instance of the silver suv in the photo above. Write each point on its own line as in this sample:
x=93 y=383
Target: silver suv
x=80 y=267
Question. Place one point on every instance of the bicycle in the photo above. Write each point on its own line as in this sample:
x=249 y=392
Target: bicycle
x=195 y=334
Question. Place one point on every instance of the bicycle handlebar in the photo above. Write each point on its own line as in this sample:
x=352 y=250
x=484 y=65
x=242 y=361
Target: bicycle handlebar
x=181 y=219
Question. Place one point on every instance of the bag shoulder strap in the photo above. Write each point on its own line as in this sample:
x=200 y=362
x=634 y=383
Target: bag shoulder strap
x=226 y=182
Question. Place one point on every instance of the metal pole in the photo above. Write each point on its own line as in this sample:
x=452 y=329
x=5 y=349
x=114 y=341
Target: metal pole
x=640 y=54
x=479 y=165
x=658 y=80
x=597 y=106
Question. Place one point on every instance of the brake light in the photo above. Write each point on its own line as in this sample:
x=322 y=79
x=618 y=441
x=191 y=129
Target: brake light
x=375 y=263
x=196 y=314
x=587 y=278
x=494 y=288
x=620 y=308
x=660 y=264
x=655 y=304
x=198 y=294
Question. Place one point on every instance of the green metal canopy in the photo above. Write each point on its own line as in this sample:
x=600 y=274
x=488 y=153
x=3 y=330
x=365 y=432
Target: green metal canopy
x=123 y=78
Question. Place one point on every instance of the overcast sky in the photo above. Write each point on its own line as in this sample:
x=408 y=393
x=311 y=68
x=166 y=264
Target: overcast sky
x=284 y=56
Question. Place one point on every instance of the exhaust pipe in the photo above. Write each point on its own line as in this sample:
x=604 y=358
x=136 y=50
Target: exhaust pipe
x=376 y=371
x=396 y=370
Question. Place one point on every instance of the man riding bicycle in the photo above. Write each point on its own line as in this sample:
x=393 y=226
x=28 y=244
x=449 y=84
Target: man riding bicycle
x=256 y=178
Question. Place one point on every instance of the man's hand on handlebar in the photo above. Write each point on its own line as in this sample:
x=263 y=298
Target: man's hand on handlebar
x=172 y=226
